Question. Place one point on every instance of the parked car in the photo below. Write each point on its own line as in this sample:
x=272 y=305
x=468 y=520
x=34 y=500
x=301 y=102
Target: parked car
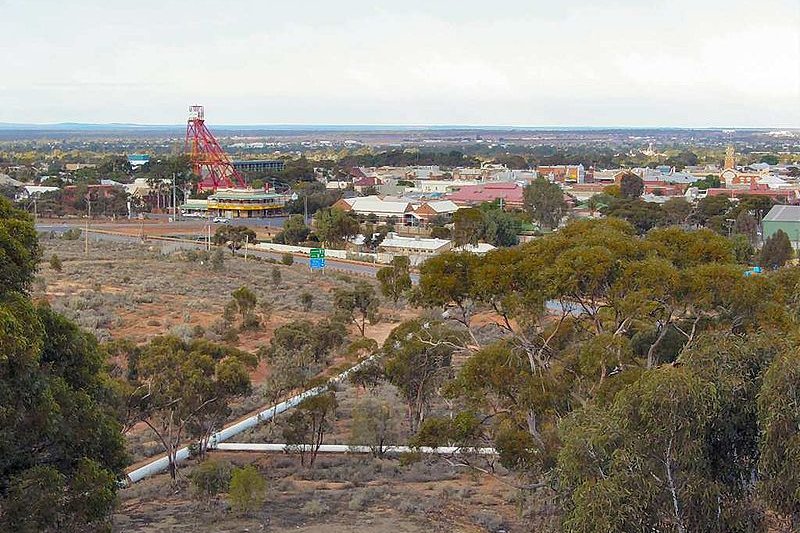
x=221 y=220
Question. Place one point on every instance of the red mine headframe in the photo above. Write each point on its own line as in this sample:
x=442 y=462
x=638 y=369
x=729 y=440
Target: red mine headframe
x=208 y=160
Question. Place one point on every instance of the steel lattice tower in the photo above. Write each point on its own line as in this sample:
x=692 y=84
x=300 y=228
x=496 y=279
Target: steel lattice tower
x=208 y=159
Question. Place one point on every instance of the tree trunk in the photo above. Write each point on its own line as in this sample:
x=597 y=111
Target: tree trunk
x=673 y=491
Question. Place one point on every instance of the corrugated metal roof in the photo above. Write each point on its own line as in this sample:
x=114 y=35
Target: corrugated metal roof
x=393 y=240
x=374 y=204
x=784 y=213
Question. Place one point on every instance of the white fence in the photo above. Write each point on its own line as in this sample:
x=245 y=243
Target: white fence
x=334 y=254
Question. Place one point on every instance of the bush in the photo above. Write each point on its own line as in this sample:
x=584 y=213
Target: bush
x=211 y=478
x=276 y=276
x=248 y=489
x=218 y=260
x=185 y=332
x=315 y=507
x=306 y=300
x=440 y=232
x=287 y=259
x=362 y=498
x=489 y=521
x=266 y=307
x=250 y=322
x=72 y=234
x=55 y=263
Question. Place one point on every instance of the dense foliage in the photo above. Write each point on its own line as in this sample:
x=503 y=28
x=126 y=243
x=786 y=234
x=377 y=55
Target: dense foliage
x=643 y=380
x=61 y=447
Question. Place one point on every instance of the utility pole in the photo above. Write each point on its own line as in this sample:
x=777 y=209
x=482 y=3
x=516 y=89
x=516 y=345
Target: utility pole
x=305 y=208
x=174 y=207
x=246 y=245
x=86 y=232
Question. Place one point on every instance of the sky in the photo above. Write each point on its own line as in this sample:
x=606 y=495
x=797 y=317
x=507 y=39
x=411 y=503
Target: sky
x=639 y=63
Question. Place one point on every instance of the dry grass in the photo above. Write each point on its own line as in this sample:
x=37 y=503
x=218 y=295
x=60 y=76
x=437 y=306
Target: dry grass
x=383 y=501
x=136 y=291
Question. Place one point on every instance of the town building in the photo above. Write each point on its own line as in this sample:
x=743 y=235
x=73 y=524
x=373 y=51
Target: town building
x=259 y=165
x=385 y=209
x=29 y=192
x=786 y=218
x=563 y=173
x=417 y=249
x=73 y=167
x=137 y=160
x=397 y=210
x=784 y=196
x=237 y=203
x=70 y=193
x=429 y=172
x=366 y=182
x=510 y=195
x=441 y=186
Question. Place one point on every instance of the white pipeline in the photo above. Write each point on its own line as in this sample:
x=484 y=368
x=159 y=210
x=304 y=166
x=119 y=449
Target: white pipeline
x=344 y=448
x=162 y=463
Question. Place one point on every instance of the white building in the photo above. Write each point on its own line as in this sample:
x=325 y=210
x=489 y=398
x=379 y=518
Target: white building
x=34 y=191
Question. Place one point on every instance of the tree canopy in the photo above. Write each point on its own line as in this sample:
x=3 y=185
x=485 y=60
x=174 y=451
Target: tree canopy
x=61 y=446
x=622 y=372
x=544 y=202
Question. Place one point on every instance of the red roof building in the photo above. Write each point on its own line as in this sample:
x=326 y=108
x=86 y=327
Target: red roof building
x=787 y=196
x=509 y=193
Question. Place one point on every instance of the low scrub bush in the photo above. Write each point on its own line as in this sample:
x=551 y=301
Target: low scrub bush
x=248 y=489
x=315 y=507
x=211 y=478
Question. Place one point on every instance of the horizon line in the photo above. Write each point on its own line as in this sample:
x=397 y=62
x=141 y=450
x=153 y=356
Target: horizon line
x=11 y=125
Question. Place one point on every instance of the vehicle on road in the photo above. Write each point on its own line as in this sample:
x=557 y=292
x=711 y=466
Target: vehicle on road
x=221 y=220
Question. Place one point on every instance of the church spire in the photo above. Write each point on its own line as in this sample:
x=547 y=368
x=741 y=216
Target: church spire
x=730 y=158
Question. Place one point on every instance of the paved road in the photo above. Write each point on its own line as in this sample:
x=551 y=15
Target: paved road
x=333 y=264
x=274 y=223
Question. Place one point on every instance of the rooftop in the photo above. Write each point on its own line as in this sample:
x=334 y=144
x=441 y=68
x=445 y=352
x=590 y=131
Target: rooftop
x=376 y=204
x=509 y=192
x=783 y=213
x=242 y=194
x=393 y=240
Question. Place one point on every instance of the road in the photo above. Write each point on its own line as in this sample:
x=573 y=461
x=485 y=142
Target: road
x=170 y=245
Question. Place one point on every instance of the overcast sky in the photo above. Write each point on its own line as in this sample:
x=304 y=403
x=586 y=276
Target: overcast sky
x=699 y=63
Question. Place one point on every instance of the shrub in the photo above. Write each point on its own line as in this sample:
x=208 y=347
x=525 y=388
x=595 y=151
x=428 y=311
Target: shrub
x=218 y=260
x=55 y=263
x=315 y=507
x=185 y=332
x=362 y=498
x=250 y=322
x=266 y=308
x=276 y=276
x=248 y=489
x=490 y=521
x=440 y=232
x=211 y=478
x=72 y=234
x=287 y=259
x=306 y=300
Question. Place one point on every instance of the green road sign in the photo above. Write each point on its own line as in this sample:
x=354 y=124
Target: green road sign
x=317 y=253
